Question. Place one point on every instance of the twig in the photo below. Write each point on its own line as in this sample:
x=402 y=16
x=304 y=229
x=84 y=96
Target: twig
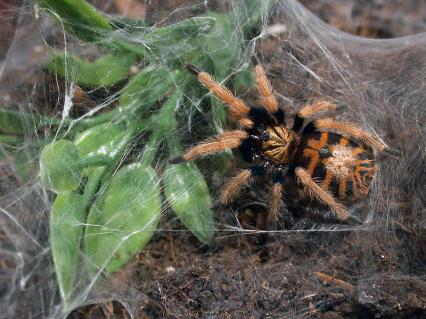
x=328 y=279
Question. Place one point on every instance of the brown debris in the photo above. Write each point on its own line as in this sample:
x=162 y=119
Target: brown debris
x=334 y=281
x=135 y=9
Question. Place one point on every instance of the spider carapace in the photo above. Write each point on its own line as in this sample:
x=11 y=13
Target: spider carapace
x=333 y=167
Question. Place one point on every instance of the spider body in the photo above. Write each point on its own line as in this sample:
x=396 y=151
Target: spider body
x=332 y=167
x=336 y=163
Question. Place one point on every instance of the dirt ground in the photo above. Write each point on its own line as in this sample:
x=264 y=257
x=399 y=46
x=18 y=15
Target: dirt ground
x=275 y=274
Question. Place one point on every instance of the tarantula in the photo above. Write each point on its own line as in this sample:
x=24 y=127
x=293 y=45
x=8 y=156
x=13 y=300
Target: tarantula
x=332 y=167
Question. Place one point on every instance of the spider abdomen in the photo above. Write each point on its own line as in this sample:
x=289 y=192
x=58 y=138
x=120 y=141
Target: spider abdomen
x=336 y=163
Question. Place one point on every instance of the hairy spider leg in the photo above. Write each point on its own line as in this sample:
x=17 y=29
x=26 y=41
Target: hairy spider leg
x=352 y=131
x=321 y=194
x=268 y=99
x=226 y=140
x=265 y=89
x=275 y=198
x=234 y=184
x=238 y=110
x=310 y=110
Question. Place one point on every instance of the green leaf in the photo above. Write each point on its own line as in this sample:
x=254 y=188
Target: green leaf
x=104 y=143
x=188 y=195
x=124 y=218
x=170 y=41
x=66 y=220
x=222 y=49
x=59 y=170
x=147 y=87
x=244 y=79
x=17 y=122
x=167 y=37
x=66 y=229
x=106 y=139
x=105 y=71
x=164 y=120
x=78 y=17
x=11 y=139
x=127 y=24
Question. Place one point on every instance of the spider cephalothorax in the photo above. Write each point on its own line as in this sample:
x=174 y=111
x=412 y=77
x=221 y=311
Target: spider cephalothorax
x=332 y=167
x=278 y=144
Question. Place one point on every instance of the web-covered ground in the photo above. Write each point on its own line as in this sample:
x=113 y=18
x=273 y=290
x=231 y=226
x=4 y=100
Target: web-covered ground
x=375 y=270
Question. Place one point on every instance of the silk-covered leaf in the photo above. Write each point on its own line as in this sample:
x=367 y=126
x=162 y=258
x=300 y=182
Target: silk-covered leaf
x=17 y=122
x=166 y=42
x=180 y=31
x=123 y=219
x=59 y=169
x=105 y=71
x=147 y=87
x=188 y=195
x=78 y=17
x=66 y=229
x=107 y=140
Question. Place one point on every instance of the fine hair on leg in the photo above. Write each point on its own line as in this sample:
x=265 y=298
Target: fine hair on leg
x=312 y=109
x=268 y=99
x=321 y=194
x=226 y=140
x=233 y=186
x=274 y=203
x=352 y=131
x=238 y=110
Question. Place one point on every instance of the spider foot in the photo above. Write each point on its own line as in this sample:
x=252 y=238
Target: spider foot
x=176 y=160
x=393 y=152
x=192 y=68
x=353 y=220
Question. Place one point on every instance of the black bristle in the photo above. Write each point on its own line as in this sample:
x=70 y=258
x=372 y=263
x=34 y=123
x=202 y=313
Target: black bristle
x=192 y=68
x=309 y=128
x=298 y=123
x=278 y=178
x=392 y=151
x=176 y=160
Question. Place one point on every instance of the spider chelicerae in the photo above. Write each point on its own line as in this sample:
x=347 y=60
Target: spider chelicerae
x=333 y=167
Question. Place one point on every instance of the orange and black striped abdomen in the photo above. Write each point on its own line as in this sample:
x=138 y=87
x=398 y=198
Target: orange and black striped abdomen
x=336 y=163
